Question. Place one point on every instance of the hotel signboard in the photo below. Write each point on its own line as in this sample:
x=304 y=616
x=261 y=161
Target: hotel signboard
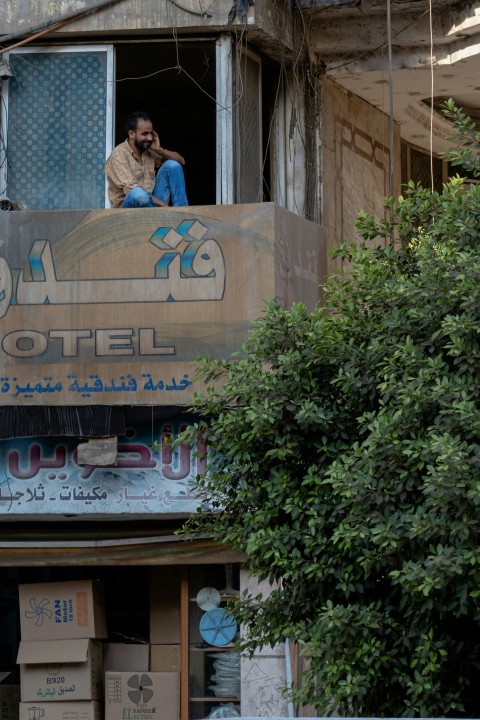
x=113 y=306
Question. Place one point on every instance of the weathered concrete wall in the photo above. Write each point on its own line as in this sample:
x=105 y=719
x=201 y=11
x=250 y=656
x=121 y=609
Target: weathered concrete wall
x=355 y=162
x=123 y=16
x=263 y=676
x=269 y=20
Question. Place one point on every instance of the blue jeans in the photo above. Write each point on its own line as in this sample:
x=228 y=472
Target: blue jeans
x=169 y=187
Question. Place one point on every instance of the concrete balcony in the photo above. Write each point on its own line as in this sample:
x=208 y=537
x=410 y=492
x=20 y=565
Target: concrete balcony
x=111 y=307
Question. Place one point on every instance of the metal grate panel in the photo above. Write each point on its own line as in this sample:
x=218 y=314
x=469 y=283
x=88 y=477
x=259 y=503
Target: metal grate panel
x=56 y=130
x=249 y=160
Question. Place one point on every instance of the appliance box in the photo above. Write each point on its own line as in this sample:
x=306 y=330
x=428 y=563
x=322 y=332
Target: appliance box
x=165 y=606
x=142 y=696
x=62 y=610
x=60 y=711
x=60 y=670
x=126 y=657
x=165 y=658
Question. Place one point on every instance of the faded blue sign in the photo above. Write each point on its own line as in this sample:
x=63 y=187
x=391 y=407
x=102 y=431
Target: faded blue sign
x=41 y=476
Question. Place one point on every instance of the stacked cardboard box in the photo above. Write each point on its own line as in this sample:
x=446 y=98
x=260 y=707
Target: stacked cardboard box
x=142 y=696
x=165 y=620
x=126 y=657
x=143 y=681
x=132 y=692
x=66 y=672
x=165 y=658
x=60 y=654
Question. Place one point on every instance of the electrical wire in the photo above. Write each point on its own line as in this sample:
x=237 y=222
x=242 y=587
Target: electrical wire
x=431 y=95
x=53 y=25
x=391 y=187
x=204 y=13
x=28 y=40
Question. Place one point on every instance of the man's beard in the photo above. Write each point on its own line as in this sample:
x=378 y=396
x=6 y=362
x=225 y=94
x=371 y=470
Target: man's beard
x=142 y=145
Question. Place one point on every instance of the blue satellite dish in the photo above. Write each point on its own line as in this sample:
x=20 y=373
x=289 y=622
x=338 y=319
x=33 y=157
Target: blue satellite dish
x=218 y=627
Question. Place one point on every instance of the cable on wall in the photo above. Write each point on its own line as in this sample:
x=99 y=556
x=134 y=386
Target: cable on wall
x=391 y=176
x=391 y=187
x=431 y=94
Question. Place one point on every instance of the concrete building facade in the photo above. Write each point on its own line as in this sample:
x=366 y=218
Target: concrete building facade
x=292 y=117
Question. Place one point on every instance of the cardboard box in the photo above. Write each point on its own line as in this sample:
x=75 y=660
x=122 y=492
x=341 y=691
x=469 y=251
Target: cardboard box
x=60 y=711
x=165 y=658
x=57 y=611
x=142 y=696
x=165 y=606
x=9 y=700
x=126 y=657
x=59 y=670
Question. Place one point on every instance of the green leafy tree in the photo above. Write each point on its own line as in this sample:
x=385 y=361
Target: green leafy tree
x=466 y=136
x=345 y=448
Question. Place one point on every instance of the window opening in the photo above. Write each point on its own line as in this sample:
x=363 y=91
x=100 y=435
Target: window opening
x=415 y=165
x=68 y=129
x=181 y=103
x=270 y=93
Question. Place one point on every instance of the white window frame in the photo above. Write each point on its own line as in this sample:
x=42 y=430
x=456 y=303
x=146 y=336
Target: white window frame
x=224 y=129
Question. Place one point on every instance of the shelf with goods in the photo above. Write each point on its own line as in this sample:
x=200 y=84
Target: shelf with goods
x=213 y=661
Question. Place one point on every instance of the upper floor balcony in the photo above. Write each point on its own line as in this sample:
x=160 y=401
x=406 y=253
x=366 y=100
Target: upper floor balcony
x=112 y=307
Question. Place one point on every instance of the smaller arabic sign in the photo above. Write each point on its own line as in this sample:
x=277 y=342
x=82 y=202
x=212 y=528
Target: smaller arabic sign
x=93 y=384
x=42 y=476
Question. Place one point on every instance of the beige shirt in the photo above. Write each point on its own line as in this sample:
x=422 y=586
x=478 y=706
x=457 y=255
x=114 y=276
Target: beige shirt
x=124 y=172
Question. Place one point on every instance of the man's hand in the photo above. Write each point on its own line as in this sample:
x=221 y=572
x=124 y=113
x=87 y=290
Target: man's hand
x=158 y=203
x=155 y=146
x=165 y=154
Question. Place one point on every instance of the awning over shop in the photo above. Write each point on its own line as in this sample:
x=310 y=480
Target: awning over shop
x=42 y=547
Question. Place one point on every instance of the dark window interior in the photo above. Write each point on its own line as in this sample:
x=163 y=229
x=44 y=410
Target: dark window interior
x=416 y=165
x=174 y=83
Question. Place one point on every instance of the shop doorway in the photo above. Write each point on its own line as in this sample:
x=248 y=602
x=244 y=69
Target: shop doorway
x=167 y=618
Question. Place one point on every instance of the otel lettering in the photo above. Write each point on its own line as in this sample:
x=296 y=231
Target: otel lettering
x=107 y=342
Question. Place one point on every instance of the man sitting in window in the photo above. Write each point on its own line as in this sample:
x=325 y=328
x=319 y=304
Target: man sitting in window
x=143 y=174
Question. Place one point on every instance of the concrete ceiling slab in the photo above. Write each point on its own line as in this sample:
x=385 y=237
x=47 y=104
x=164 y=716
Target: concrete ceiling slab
x=434 y=54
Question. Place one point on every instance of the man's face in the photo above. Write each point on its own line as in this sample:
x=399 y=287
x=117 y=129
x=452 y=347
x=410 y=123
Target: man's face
x=142 y=136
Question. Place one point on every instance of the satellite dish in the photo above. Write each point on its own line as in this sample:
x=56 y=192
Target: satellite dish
x=208 y=598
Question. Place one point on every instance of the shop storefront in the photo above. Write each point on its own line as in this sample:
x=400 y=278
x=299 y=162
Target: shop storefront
x=165 y=598
x=167 y=622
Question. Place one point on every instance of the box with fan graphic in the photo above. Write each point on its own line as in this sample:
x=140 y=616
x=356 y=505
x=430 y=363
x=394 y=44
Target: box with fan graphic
x=62 y=610
x=142 y=696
